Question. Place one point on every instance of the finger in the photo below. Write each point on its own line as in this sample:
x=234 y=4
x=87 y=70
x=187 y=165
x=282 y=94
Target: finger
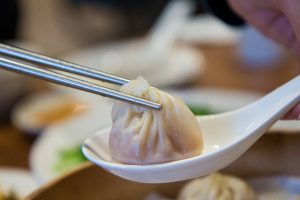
x=294 y=113
x=280 y=30
x=289 y=37
x=267 y=4
x=291 y=8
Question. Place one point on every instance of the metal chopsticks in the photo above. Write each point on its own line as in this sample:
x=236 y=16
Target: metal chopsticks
x=60 y=64
x=66 y=80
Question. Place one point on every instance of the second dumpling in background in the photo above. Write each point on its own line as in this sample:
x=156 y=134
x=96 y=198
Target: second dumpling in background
x=144 y=136
x=217 y=187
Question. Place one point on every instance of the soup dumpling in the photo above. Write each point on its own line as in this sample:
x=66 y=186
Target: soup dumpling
x=217 y=187
x=145 y=136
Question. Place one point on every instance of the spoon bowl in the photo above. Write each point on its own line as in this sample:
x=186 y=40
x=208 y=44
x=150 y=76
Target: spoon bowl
x=226 y=137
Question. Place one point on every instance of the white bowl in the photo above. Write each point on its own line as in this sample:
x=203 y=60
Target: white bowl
x=126 y=59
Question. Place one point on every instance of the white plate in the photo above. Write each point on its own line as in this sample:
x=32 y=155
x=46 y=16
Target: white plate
x=181 y=65
x=14 y=85
x=218 y=99
x=19 y=181
x=25 y=115
x=66 y=135
x=208 y=29
x=225 y=100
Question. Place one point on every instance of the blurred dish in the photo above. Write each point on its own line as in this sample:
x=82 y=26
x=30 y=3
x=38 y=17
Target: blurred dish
x=217 y=186
x=44 y=109
x=65 y=137
x=276 y=187
x=17 y=181
x=288 y=126
x=94 y=183
x=69 y=158
x=267 y=188
x=208 y=29
x=217 y=100
x=12 y=86
x=128 y=59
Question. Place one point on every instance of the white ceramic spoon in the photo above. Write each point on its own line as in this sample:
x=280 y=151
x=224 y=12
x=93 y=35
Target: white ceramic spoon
x=226 y=137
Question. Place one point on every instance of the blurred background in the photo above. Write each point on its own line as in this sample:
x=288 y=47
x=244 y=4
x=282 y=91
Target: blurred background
x=179 y=46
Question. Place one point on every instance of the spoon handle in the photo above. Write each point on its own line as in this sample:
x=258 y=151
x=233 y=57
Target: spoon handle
x=274 y=105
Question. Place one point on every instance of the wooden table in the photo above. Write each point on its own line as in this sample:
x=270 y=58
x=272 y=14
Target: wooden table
x=222 y=69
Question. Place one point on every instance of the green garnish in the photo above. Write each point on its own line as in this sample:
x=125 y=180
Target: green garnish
x=200 y=109
x=69 y=158
x=11 y=196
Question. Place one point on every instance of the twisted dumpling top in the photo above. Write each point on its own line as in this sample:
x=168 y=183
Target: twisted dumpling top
x=144 y=136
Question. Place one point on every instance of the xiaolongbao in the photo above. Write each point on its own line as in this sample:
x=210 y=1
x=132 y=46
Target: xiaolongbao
x=144 y=136
x=217 y=187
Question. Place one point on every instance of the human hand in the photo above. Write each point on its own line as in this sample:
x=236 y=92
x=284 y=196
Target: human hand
x=277 y=19
x=293 y=114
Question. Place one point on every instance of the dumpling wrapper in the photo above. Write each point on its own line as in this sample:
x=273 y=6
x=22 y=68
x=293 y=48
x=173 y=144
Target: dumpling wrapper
x=145 y=136
x=217 y=187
